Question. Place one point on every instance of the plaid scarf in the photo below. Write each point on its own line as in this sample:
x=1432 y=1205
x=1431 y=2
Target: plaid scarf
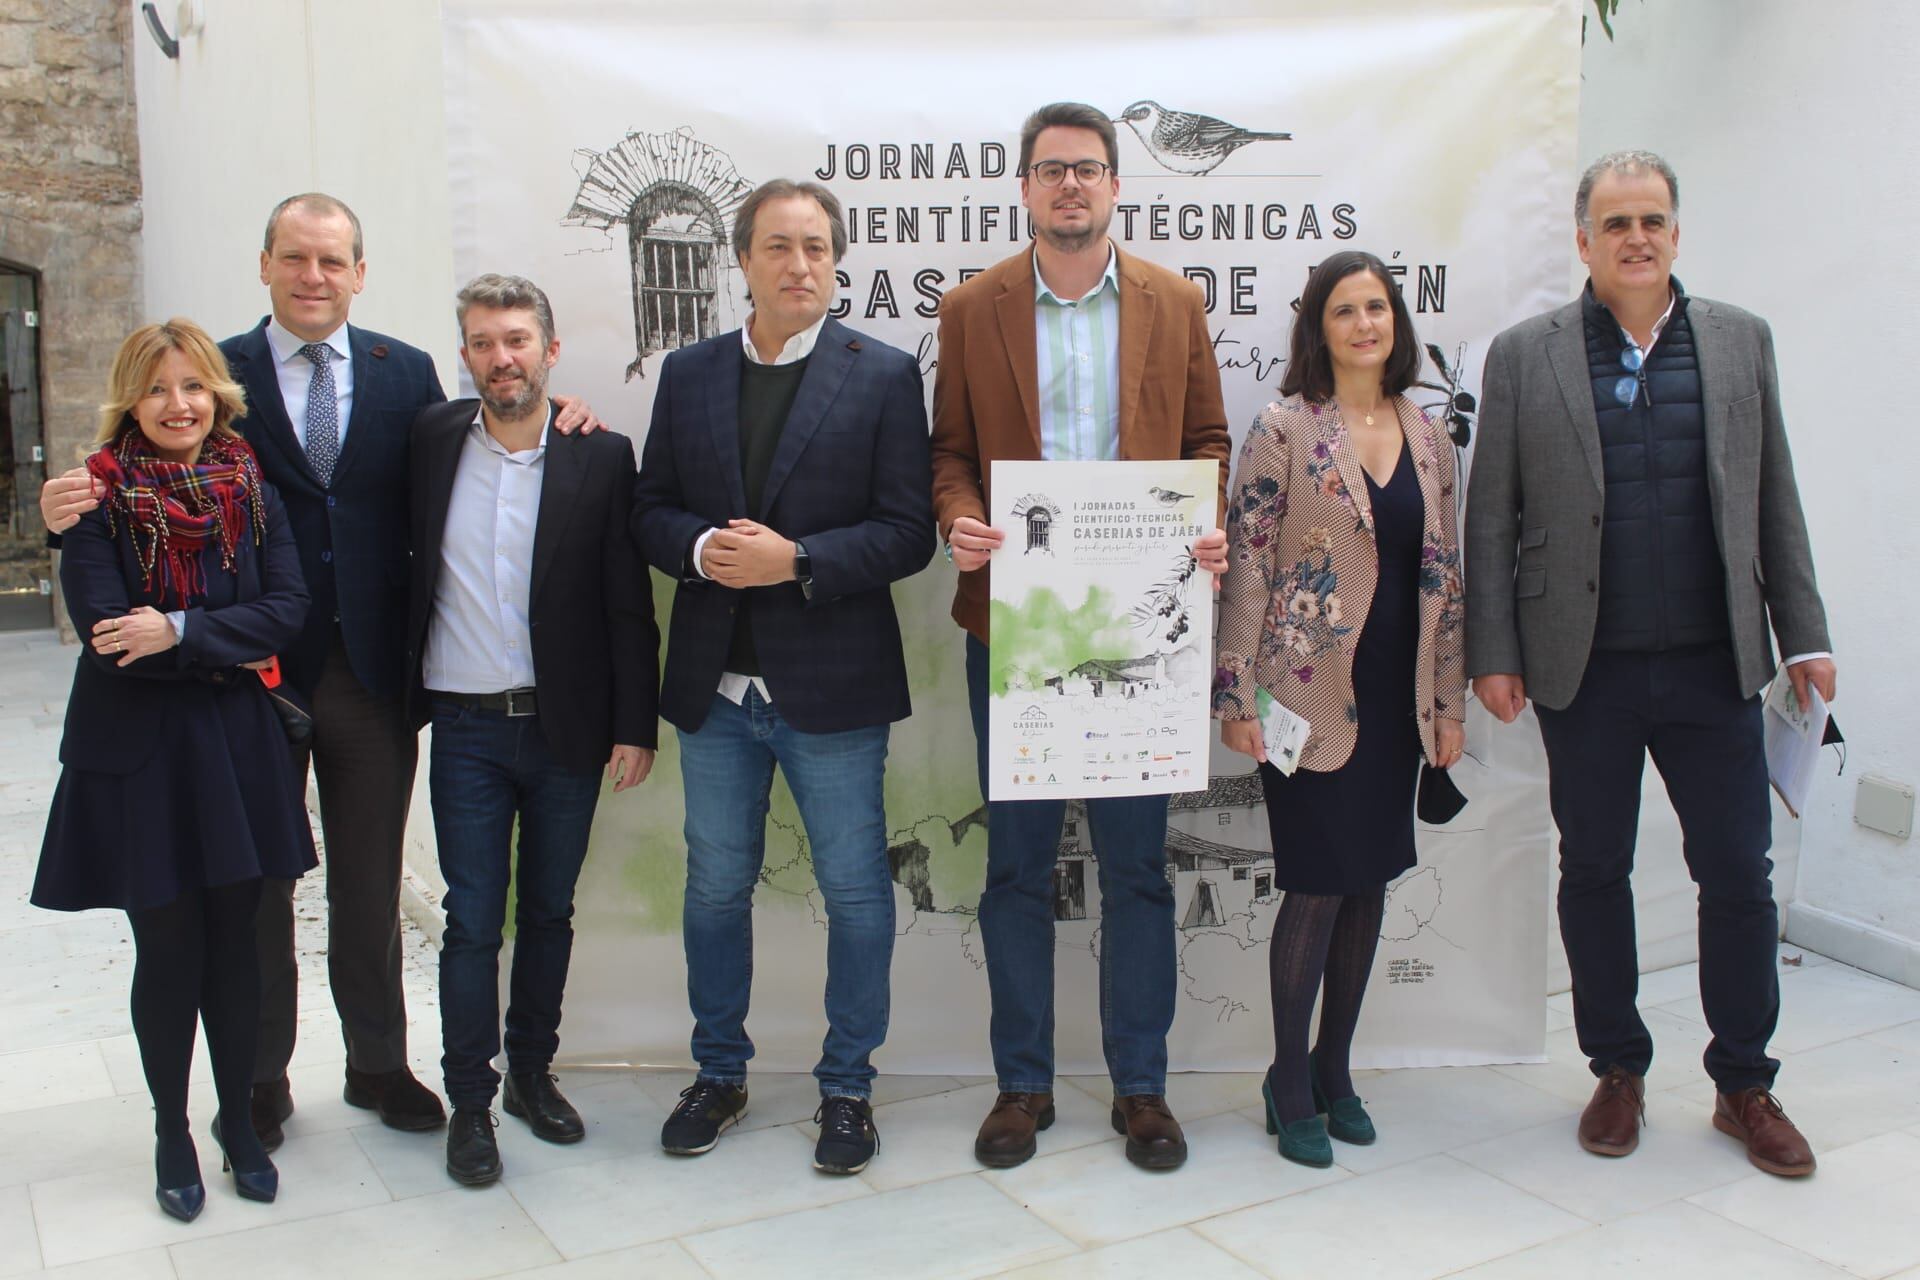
x=173 y=510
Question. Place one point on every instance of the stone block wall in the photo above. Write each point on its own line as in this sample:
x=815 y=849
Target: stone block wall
x=70 y=195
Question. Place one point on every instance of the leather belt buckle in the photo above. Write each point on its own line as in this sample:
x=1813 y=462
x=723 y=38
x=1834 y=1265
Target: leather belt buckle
x=520 y=702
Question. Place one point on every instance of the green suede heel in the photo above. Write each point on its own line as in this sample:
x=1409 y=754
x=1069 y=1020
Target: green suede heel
x=1301 y=1141
x=1347 y=1118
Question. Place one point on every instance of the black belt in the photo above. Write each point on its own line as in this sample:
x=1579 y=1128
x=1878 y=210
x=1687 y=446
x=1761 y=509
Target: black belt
x=515 y=702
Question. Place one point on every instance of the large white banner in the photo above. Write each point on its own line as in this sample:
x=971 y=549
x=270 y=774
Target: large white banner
x=603 y=149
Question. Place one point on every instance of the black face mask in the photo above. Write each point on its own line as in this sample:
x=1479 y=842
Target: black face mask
x=1438 y=800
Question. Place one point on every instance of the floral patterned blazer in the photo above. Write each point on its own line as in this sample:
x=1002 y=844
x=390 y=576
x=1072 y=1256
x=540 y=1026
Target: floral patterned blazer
x=1301 y=573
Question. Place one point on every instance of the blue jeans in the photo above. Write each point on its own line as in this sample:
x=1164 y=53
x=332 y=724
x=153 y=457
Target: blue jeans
x=727 y=769
x=1138 y=969
x=485 y=770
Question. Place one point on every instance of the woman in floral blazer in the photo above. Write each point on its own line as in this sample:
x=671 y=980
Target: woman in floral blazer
x=1342 y=604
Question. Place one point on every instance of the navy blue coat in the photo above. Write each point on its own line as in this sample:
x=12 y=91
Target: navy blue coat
x=177 y=773
x=851 y=478
x=596 y=650
x=352 y=533
x=114 y=713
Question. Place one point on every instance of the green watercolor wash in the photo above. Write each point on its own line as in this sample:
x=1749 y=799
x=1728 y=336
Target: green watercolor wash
x=1044 y=637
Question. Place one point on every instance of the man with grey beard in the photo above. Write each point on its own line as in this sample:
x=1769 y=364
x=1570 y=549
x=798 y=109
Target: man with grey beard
x=533 y=651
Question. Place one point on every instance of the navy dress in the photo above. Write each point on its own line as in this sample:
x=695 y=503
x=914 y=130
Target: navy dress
x=1351 y=830
x=177 y=774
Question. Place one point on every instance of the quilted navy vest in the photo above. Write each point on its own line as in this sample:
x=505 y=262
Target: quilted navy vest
x=1662 y=583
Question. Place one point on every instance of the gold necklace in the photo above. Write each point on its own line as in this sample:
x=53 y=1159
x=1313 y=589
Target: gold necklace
x=1368 y=416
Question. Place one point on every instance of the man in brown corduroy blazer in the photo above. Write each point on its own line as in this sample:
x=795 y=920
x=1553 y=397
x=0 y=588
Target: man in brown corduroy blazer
x=1070 y=350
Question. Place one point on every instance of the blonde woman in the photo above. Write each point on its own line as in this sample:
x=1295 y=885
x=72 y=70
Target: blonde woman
x=177 y=792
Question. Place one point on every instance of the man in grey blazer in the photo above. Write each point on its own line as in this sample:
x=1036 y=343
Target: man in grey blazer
x=1632 y=529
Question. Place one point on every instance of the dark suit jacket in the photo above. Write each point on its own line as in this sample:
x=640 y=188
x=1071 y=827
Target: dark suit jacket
x=986 y=390
x=596 y=650
x=1535 y=494
x=850 y=479
x=352 y=534
x=114 y=713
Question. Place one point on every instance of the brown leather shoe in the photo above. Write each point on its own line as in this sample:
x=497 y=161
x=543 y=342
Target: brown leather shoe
x=1754 y=1116
x=1006 y=1135
x=1610 y=1126
x=1154 y=1140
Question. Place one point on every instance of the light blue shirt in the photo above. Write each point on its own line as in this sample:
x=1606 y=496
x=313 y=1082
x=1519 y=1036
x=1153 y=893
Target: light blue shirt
x=295 y=373
x=478 y=639
x=1078 y=344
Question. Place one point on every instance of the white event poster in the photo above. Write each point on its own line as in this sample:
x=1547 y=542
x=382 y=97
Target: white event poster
x=1101 y=651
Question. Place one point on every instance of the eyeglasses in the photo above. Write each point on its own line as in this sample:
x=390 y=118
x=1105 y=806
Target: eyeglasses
x=1634 y=381
x=1051 y=173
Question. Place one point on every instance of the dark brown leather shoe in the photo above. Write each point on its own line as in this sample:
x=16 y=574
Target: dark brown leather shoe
x=1006 y=1135
x=1610 y=1126
x=1154 y=1140
x=1773 y=1143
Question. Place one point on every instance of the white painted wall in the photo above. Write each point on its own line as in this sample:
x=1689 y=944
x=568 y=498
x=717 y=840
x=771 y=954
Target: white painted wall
x=275 y=97
x=1798 y=172
x=1789 y=126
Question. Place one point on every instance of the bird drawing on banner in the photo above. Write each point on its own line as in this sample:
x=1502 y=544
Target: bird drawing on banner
x=1189 y=143
x=1167 y=497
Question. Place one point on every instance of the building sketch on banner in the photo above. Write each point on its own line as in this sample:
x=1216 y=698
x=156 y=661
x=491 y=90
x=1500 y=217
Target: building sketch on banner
x=675 y=196
x=1219 y=862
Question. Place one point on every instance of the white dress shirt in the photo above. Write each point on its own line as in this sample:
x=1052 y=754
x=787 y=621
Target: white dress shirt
x=295 y=373
x=478 y=638
x=733 y=685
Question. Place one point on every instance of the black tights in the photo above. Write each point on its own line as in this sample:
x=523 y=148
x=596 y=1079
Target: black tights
x=194 y=958
x=1318 y=939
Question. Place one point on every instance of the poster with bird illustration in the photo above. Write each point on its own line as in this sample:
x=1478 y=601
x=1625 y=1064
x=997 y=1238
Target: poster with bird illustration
x=1102 y=629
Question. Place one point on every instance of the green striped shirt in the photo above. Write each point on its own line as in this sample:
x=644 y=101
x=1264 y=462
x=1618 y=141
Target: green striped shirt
x=1079 y=364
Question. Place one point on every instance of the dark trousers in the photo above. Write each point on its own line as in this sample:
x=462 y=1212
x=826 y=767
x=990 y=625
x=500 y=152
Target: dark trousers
x=486 y=771
x=1686 y=709
x=364 y=755
x=1138 y=966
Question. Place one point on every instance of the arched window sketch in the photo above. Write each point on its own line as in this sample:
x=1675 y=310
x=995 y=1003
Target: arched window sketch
x=675 y=196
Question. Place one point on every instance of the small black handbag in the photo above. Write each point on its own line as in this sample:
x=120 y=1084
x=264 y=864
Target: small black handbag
x=296 y=717
x=1438 y=801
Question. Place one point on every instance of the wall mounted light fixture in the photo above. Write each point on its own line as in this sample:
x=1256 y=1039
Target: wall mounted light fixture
x=188 y=19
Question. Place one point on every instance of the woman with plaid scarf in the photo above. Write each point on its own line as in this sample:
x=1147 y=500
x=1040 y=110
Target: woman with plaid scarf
x=178 y=792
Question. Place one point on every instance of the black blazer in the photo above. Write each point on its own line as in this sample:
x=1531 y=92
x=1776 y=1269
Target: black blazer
x=114 y=713
x=851 y=478
x=596 y=650
x=352 y=533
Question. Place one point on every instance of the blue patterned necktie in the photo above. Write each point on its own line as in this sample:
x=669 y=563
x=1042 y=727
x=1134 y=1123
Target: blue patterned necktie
x=323 y=413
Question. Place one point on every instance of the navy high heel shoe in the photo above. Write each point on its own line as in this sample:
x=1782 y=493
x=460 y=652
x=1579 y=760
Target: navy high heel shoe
x=184 y=1203
x=252 y=1184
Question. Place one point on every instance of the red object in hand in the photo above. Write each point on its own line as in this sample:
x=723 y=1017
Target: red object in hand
x=270 y=674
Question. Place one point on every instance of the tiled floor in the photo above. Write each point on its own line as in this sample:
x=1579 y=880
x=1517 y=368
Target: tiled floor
x=1476 y=1172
